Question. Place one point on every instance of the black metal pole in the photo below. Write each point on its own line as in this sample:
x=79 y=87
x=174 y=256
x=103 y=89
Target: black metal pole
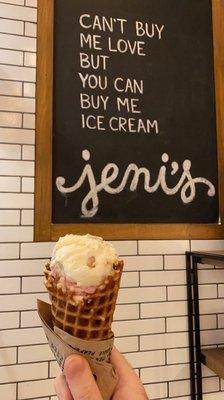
x=197 y=328
x=190 y=323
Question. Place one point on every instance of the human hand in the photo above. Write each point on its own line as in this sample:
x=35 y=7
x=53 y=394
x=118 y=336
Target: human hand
x=79 y=384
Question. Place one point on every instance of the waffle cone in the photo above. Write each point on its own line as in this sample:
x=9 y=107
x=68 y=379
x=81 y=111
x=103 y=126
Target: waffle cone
x=89 y=318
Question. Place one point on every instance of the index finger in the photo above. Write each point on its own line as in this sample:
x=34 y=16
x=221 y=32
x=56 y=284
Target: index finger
x=122 y=366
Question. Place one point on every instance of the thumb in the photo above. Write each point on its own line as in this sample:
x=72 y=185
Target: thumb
x=80 y=379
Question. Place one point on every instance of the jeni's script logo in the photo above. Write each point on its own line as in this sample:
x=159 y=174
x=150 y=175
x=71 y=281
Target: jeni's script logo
x=186 y=185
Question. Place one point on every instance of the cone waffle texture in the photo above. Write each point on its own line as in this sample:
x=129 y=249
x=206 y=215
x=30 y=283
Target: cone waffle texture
x=89 y=318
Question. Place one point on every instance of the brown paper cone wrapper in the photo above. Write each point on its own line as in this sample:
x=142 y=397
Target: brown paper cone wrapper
x=96 y=352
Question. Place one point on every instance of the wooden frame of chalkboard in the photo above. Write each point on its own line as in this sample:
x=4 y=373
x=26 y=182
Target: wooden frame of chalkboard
x=45 y=229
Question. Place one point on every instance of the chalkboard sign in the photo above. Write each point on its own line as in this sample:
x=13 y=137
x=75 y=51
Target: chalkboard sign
x=134 y=134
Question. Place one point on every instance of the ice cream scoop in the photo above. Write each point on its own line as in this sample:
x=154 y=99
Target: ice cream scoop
x=85 y=260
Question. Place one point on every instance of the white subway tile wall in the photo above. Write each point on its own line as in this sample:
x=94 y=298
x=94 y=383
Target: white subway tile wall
x=151 y=317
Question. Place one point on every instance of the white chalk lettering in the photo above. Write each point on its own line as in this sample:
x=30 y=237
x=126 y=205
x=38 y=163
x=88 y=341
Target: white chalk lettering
x=148 y=30
x=103 y=23
x=81 y=21
x=130 y=105
x=90 y=203
x=92 y=41
x=94 y=81
x=128 y=85
x=93 y=101
x=93 y=122
x=93 y=61
x=132 y=125
x=126 y=46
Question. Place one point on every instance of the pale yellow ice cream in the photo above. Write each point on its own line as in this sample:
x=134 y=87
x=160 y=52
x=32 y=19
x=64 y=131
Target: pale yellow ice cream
x=87 y=259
